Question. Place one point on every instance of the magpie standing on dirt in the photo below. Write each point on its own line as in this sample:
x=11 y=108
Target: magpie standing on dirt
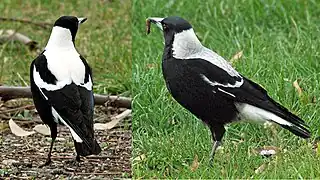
x=205 y=84
x=61 y=85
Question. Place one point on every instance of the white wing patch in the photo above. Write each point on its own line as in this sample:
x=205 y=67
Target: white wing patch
x=57 y=117
x=76 y=77
x=226 y=92
x=235 y=85
x=249 y=112
x=49 y=87
x=87 y=85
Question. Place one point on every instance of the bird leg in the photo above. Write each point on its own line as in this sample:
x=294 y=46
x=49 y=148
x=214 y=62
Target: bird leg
x=53 y=130
x=78 y=158
x=217 y=132
x=48 y=161
x=216 y=144
x=75 y=161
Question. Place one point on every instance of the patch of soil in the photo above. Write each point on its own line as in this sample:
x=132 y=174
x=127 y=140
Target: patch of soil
x=20 y=157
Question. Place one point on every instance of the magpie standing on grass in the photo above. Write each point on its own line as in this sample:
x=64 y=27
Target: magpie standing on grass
x=61 y=85
x=205 y=84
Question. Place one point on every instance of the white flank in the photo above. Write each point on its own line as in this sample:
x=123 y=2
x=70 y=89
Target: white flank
x=187 y=46
x=73 y=133
x=235 y=85
x=249 y=112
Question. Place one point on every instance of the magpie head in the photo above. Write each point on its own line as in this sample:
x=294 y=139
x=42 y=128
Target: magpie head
x=71 y=23
x=178 y=34
x=171 y=25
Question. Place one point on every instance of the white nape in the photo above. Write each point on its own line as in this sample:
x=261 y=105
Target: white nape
x=187 y=46
x=249 y=112
x=57 y=117
x=60 y=38
x=64 y=61
x=235 y=85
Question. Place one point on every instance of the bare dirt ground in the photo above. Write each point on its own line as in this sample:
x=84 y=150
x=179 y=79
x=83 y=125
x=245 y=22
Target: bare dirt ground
x=21 y=156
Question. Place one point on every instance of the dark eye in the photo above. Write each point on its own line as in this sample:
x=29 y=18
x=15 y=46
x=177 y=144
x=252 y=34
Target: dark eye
x=164 y=26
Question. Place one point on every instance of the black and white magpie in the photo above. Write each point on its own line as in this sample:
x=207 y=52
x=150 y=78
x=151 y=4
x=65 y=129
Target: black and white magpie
x=205 y=84
x=61 y=85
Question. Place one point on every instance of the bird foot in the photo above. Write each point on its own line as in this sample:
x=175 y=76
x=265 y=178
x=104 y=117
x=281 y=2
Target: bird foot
x=211 y=160
x=74 y=162
x=48 y=162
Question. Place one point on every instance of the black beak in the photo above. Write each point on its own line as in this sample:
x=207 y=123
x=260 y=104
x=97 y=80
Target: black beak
x=82 y=20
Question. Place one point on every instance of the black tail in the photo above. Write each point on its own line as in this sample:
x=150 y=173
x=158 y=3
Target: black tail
x=299 y=127
x=262 y=100
x=83 y=150
x=298 y=130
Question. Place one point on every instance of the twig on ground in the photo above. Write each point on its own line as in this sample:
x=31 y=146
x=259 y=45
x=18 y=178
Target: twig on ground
x=2 y=116
x=17 y=109
x=12 y=35
x=43 y=25
x=9 y=92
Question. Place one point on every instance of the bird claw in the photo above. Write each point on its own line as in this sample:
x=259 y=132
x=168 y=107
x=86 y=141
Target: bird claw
x=211 y=160
x=74 y=162
x=48 y=162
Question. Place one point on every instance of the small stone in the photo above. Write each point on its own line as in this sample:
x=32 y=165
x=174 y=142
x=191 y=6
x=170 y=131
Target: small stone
x=9 y=162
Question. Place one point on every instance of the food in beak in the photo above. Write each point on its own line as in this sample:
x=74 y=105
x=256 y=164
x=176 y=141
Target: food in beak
x=148 y=26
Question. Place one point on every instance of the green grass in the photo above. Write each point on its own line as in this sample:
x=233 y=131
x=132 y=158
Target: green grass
x=104 y=40
x=280 y=41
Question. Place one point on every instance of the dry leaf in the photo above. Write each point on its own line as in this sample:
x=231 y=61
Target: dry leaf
x=260 y=169
x=17 y=130
x=140 y=158
x=151 y=65
x=3 y=126
x=268 y=151
x=42 y=129
x=236 y=57
x=195 y=164
x=298 y=88
x=115 y=120
x=9 y=162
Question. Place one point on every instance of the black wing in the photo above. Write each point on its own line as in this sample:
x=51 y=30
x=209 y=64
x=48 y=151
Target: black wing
x=73 y=103
x=250 y=93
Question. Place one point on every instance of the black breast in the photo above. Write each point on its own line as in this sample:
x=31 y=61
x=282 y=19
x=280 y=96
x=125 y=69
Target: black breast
x=192 y=92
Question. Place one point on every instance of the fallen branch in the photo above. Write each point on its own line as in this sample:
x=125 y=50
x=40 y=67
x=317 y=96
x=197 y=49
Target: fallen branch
x=9 y=92
x=17 y=109
x=12 y=35
x=44 y=25
x=2 y=116
x=92 y=157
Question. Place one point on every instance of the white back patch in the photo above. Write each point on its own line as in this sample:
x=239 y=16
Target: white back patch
x=63 y=61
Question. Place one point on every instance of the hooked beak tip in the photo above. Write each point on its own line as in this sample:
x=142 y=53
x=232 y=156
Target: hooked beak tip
x=82 y=20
